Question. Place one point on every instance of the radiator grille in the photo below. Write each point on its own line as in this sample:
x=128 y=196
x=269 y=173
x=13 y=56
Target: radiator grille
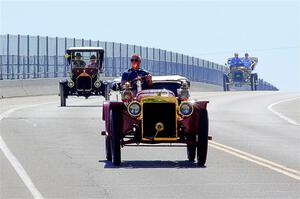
x=238 y=76
x=84 y=83
x=154 y=113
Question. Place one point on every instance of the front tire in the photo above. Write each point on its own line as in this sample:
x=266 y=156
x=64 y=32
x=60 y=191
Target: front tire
x=62 y=94
x=191 y=147
x=115 y=137
x=202 y=143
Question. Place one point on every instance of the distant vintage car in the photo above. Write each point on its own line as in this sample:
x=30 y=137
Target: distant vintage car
x=83 y=79
x=163 y=114
x=240 y=75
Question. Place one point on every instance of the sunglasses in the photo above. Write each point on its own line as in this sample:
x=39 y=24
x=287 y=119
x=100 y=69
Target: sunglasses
x=134 y=60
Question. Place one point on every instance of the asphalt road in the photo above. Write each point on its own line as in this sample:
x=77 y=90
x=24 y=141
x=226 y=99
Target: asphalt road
x=254 y=152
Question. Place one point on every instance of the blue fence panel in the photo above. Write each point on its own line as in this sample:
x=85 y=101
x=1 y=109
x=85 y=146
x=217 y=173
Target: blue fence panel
x=24 y=56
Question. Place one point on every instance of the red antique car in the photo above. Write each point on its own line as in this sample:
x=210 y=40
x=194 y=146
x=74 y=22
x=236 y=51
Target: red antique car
x=163 y=114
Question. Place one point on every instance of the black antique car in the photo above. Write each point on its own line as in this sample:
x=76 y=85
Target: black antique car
x=84 y=79
x=162 y=114
x=239 y=75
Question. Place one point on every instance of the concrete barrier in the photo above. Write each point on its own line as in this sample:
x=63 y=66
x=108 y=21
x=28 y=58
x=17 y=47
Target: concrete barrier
x=28 y=87
x=49 y=86
x=204 y=87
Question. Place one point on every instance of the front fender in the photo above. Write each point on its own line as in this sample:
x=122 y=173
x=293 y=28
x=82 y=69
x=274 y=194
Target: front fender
x=191 y=124
x=107 y=106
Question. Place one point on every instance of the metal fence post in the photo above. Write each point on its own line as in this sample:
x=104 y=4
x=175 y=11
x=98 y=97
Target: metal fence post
x=153 y=62
x=197 y=74
x=46 y=71
x=147 y=58
x=187 y=74
x=105 y=59
x=34 y=66
x=171 y=62
x=82 y=42
x=56 y=57
x=176 y=61
x=24 y=71
x=1 y=65
x=159 y=71
x=74 y=42
x=12 y=66
x=165 y=56
x=7 y=57
x=192 y=72
x=65 y=60
x=120 y=59
x=38 y=57
x=113 y=59
x=182 y=65
x=28 y=54
x=18 y=58
x=203 y=72
x=127 y=55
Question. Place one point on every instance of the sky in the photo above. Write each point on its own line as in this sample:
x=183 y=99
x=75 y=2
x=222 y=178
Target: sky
x=211 y=30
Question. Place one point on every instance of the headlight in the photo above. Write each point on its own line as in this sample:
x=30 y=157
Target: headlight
x=134 y=108
x=71 y=84
x=186 y=109
x=97 y=84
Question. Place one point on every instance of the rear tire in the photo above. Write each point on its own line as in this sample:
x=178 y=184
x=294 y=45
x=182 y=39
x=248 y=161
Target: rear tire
x=62 y=94
x=108 y=148
x=115 y=137
x=202 y=143
x=255 y=82
x=253 y=79
x=107 y=92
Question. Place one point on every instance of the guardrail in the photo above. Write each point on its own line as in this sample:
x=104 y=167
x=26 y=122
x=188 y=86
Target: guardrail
x=30 y=57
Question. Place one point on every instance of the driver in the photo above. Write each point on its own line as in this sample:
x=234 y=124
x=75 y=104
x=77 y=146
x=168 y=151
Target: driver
x=136 y=73
x=78 y=62
x=247 y=62
x=236 y=61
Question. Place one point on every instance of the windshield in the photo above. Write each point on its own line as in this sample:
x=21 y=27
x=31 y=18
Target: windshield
x=79 y=59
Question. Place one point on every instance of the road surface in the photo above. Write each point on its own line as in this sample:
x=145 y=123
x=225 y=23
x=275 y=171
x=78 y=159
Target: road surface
x=49 y=151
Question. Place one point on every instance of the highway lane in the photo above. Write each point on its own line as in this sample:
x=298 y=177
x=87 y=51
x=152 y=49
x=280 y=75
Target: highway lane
x=63 y=153
x=242 y=120
x=288 y=108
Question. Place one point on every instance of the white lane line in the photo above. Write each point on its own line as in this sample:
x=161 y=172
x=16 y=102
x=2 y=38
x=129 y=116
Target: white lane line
x=20 y=170
x=281 y=115
x=14 y=161
x=257 y=160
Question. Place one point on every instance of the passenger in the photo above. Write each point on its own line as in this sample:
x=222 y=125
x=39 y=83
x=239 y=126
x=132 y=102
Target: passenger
x=78 y=62
x=247 y=62
x=235 y=61
x=93 y=63
x=136 y=73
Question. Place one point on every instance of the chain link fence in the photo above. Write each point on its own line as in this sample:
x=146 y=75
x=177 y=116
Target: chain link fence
x=28 y=57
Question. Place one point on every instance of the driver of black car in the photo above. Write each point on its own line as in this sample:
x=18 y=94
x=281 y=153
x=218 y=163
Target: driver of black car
x=78 y=63
x=136 y=73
